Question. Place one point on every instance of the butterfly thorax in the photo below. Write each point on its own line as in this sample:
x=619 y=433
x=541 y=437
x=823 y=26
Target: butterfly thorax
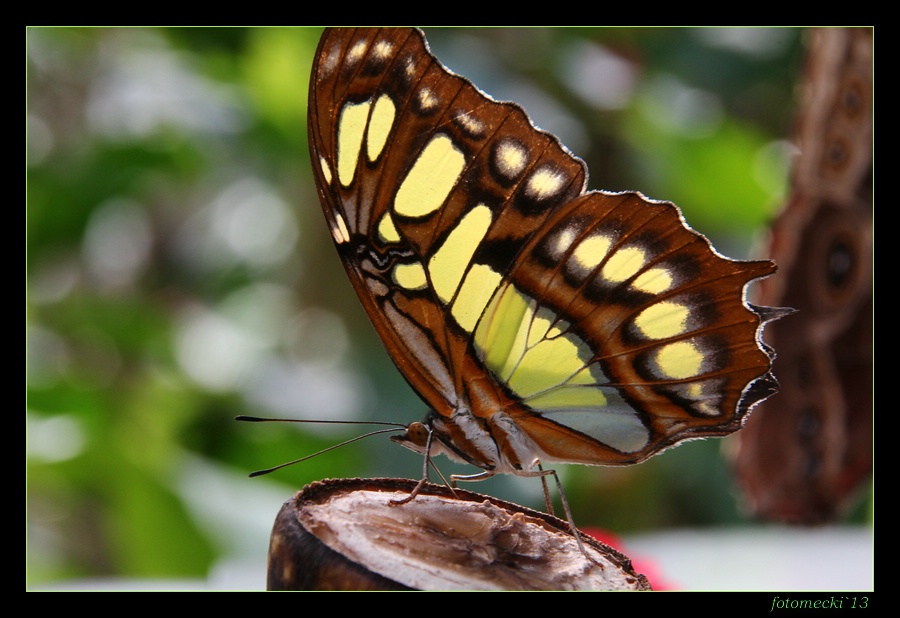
x=495 y=444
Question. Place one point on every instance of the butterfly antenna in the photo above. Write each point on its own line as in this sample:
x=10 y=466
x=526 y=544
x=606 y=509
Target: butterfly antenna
x=261 y=419
x=257 y=419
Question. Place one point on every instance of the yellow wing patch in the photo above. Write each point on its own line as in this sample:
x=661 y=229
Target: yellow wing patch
x=434 y=173
x=448 y=264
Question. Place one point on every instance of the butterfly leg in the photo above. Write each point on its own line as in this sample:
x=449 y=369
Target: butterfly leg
x=543 y=474
x=449 y=484
x=470 y=478
x=547 y=501
x=427 y=462
x=421 y=483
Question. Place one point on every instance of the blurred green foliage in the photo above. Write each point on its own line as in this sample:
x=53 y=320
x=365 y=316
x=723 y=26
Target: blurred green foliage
x=179 y=272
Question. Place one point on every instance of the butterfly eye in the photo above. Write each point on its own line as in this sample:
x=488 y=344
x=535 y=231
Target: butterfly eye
x=417 y=434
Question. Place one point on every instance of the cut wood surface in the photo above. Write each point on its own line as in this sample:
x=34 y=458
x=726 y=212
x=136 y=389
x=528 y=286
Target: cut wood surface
x=349 y=534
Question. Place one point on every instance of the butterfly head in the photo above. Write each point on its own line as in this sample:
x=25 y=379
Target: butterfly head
x=439 y=435
x=427 y=437
x=415 y=437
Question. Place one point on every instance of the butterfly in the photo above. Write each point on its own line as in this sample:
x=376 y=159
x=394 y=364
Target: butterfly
x=803 y=462
x=540 y=322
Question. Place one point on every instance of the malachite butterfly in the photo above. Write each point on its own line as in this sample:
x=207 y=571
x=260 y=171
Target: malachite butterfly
x=539 y=321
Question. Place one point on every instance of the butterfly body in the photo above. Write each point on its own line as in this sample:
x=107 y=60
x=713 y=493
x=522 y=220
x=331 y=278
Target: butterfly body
x=539 y=321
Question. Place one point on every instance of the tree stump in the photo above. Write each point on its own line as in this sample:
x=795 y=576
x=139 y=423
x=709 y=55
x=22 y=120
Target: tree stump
x=348 y=534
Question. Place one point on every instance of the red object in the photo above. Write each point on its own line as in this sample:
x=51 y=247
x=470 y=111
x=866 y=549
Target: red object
x=647 y=566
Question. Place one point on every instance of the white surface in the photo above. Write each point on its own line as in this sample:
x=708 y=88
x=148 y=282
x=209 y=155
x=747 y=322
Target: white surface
x=763 y=558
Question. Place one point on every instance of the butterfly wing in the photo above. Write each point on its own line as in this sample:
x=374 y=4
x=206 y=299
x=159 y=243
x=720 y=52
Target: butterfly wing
x=633 y=336
x=406 y=202
x=803 y=459
x=598 y=325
